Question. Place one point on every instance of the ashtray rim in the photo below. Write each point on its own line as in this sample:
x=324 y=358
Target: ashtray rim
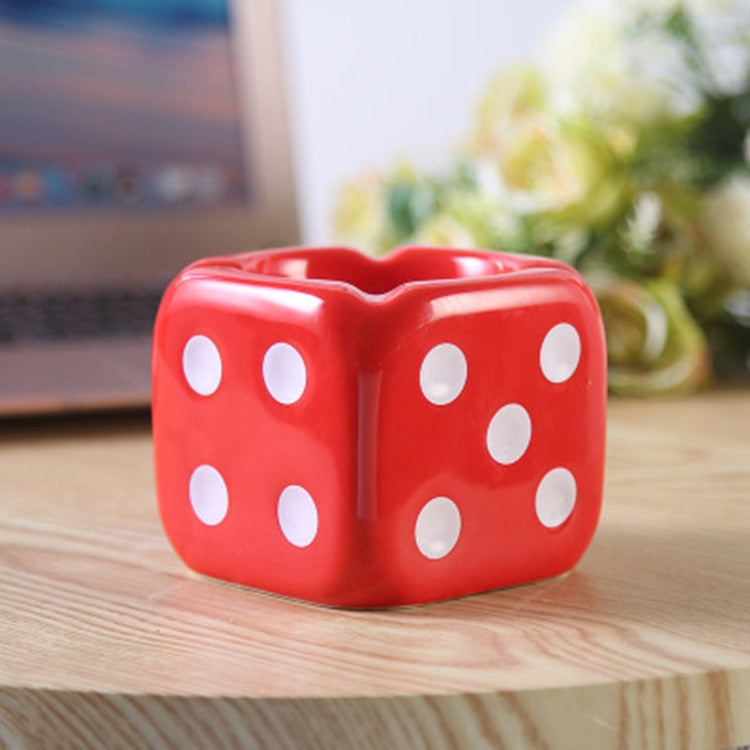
x=375 y=279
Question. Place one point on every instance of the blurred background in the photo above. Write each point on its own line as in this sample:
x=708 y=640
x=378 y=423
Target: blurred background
x=372 y=83
x=614 y=136
x=136 y=136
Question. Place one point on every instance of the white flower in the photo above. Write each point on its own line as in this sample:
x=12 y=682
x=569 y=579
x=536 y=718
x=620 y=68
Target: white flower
x=726 y=218
x=643 y=225
x=582 y=59
x=722 y=28
x=601 y=62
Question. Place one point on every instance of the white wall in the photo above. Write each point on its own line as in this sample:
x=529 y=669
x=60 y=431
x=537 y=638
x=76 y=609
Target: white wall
x=372 y=81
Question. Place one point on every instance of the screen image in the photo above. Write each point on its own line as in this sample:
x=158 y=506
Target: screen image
x=124 y=105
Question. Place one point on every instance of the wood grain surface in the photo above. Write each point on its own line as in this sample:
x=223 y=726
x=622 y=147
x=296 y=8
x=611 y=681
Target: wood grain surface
x=106 y=640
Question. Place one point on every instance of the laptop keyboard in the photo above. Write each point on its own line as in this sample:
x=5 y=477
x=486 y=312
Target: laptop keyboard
x=71 y=315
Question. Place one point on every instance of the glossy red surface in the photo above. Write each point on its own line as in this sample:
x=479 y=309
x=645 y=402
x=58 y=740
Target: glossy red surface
x=366 y=432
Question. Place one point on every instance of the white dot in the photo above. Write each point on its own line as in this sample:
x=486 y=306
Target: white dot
x=298 y=515
x=201 y=364
x=208 y=495
x=509 y=433
x=284 y=373
x=438 y=527
x=560 y=353
x=443 y=374
x=555 y=497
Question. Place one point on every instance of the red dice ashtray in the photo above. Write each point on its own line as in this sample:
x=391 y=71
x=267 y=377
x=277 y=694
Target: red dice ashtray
x=365 y=432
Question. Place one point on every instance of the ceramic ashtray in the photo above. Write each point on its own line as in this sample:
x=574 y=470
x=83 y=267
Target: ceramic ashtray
x=372 y=432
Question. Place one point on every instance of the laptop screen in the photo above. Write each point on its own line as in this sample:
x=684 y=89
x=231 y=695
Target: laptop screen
x=135 y=137
x=118 y=106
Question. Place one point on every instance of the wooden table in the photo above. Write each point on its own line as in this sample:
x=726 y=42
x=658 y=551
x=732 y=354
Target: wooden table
x=107 y=641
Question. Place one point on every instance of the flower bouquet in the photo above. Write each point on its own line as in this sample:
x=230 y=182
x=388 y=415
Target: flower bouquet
x=626 y=153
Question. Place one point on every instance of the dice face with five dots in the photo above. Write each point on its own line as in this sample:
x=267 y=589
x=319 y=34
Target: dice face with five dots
x=364 y=432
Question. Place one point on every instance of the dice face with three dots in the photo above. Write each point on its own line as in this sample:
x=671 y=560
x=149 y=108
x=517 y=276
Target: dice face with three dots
x=369 y=433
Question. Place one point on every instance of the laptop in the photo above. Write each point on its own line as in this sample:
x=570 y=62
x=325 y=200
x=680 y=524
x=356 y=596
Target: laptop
x=135 y=137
